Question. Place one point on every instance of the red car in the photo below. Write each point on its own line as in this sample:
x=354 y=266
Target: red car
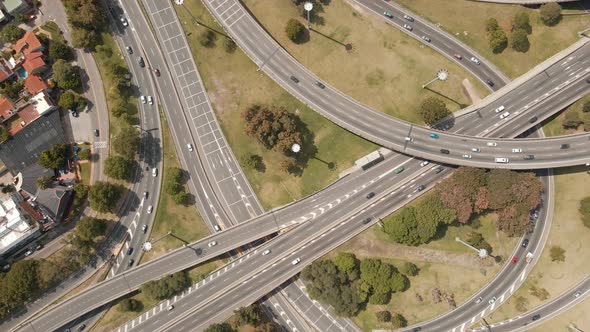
x=514 y=259
x=458 y=56
x=157 y=72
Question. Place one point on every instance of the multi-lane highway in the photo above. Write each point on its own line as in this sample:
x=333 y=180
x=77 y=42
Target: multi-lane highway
x=446 y=147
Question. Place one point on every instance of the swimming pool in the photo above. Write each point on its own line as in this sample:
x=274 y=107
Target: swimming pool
x=22 y=72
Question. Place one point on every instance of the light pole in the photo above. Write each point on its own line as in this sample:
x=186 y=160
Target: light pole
x=148 y=245
x=308 y=6
x=296 y=148
x=482 y=253
x=441 y=75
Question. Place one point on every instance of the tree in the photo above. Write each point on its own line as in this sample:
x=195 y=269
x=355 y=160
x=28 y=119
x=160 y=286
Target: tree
x=520 y=21
x=571 y=121
x=20 y=18
x=126 y=142
x=59 y=50
x=295 y=30
x=167 y=286
x=12 y=89
x=491 y=25
x=586 y=107
x=274 y=127
x=54 y=157
x=4 y=134
x=118 y=167
x=19 y=285
x=82 y=38
x=11 y=33
x=433 y=110
x=550 y=13
x=251 y=161
x=182 y=198
x=68 y=100
x=498 y=41
x=103 y=196
x=347 y=263
x=130 y=305
x=383 y=316
x=248 y=315
x=410 y=269
x=401 y=227
x=229 y=45
x=90 y=228
x=585 y=210
x=520 y=41
x=44 y=182
x=557 y=254
x=66 y=76
x=398 y=321
x=219 y=327
x=89 y=14
x=207 y=38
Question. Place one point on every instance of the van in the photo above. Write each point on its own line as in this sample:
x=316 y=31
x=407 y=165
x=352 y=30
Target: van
x=502 y=160
x=500 y=109
x=154 y=172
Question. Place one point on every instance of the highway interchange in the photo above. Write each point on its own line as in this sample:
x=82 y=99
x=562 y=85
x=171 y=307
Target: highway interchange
x=427 y=180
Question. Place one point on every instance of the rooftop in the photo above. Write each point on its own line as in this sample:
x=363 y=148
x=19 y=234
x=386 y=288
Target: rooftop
x=43 y=105
x=34 y=84
x=54 y=201
x=28 y=43
x=5 y=109
x=33 y=61
x=14 y=227
x=5 y=71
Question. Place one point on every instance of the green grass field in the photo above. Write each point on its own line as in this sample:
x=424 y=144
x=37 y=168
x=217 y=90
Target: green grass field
x=386 y=68
x=466 y=21
x=232 y=91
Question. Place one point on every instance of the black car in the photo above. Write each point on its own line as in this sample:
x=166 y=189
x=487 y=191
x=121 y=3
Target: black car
x=533 y=119
x=529 y=157
x=129 y=49
x=74 y=113
x=81 y=327
x=421 y=187
x=96 y=133
x=320 y=84
x=564 y=146
x=130 y=263
x=525 y=243
x=367 y=220
x=438 y=170
x=370 y=195
x=536 y=317
x=416 y=329
x=129 y=250
x=140 y=62
x=294 y=79
x=444 y=151
x=490 y=83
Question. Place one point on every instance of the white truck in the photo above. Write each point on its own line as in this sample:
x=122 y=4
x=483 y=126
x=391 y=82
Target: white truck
x=529 y=257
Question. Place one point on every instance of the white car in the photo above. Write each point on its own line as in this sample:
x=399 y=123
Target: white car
x=502 y=160
x=516 y=150
x=492 y=300
x=212 y=243
x=154 y=172
x=143 y=100
x=577 y=294
x=407 y=27
x=216 y=227
x=150 y=100
x=409 y=139
x=467 y=156
x=474 y=60
x=476 y=149
x=504 y=115
x=170 y=307
x=500 y=109
x=424 y=163
x=478 y=300
x=296 y=261
x=189 y=147
x=124 y=22
x=426 y=38
x=266 y=252
x=492 y=144
x=144 y=228
x=150 y=209
x=409 y=18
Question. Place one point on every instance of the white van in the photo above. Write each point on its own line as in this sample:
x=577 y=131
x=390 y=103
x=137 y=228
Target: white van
x=502 y=160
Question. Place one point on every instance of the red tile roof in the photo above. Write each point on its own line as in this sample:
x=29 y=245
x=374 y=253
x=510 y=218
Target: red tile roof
x=28 y=43
x=28 y=114
x=31 y=211
x=33 y=61
x=5 y=107
x=34 y=84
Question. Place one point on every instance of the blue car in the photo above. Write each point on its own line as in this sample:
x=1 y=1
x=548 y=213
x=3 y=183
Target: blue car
x=433 y=135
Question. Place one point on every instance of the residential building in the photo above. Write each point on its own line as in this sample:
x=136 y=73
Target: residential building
x=14 y=7
x=29 y=43
x=34 y=63
x=5 y=70
x=6 y=109
x=17 y=228
x=34 y=84
x=54 y=202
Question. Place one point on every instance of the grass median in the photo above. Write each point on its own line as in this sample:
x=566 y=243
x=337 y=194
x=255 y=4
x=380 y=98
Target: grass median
x=466 y=21
x=233 y=84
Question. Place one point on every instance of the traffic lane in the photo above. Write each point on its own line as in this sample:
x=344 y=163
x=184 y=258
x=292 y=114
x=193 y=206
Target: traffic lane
x=439 y=41
x=287 y=316
x=309 y=250
x=546 y=311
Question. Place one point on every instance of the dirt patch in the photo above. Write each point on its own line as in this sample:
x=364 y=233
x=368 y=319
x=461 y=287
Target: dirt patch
x=469 y=91
x=365 y=247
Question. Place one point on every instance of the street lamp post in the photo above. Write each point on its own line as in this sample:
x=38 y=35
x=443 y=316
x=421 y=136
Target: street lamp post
x=148 y=245
x=441 y=75
x=308 y=6
x=482 y=253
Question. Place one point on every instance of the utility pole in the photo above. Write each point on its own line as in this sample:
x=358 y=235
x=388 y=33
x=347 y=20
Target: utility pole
x=482 y=253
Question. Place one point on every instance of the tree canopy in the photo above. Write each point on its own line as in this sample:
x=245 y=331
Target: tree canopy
x=167 y=286
x=433 y=110
x=550 y=13
x=11 y=33
x=66 y=76
x=103 y=196
x=520 y=41
x=12 y=89
x=118 y=167
x=520 y=21
x=54 y=157
x=295 y=30
x=89 y=228
x=59 y=50
x=274 y=127
x=126 y=142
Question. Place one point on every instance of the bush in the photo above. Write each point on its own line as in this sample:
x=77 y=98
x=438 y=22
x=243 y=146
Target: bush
x=130 y=305
x=519 y=41
x=103 y=196
x=295 y=30
x=498 y=41
x=585 y=211
x=433 y=110
x=550 y=13
x=252 y=161
x=571 y=120
x=491 y=25
x=398 y=321
x=557 y=254
x=410 y=269
x=207 y=38
x=586 y=107
x=520 y=21
x=383 y=316
x=229 y=45
x=11 y=33
x=118 y=167
x=167 y=286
